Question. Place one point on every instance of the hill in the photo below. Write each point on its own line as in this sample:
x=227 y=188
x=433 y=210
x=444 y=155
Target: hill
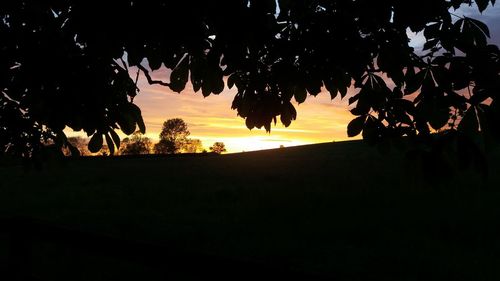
x=343 y=210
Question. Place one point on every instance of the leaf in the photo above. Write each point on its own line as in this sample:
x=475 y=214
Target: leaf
x=313 y=86
x=249 y=122
x=213 y=77
x=128 y=118
x=333 y=92
x=331 y=87
x=180 y=75
x=472 y=32
x=479 y=96
x=459 y=73
x=482 y=4
x=439 y=117
x=343 y=82
x=115 y=137
x=111 y=145
x=197 y=67
x=140 y=123
x=481 y=26
x=136 y=111
x=218 y=82
x=267 y=126
x=469 y=124
x=288 y=114
x=371 y=130
x=231 y=80
x=359 y=111
x=353 y=99
x=432 y=31
x=127 y=125
x=134 y=56
x=456 y=3
x=356 y=126
x=391 y=60
x=397 y=93
x=405 y=105
x=74 y=151
x=430 y=44
x=206 y=88
x=300 y=94
x=154 y=61
x=343 y=91
x=414 y=82
x=363 y=105
x=95 y=143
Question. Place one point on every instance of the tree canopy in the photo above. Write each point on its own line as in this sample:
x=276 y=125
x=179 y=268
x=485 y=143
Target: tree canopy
x=136 y=145
x=218 y=147
x=193 y=146
x=173 y=136
x=69 y=63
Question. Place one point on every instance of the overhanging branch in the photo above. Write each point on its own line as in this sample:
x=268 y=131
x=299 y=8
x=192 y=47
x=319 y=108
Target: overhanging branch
x=150 y=80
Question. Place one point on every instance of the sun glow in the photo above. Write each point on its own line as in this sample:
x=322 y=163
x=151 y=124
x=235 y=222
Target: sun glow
x=210 y=119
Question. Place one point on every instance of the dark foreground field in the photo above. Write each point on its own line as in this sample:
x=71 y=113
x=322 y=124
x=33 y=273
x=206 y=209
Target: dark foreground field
x=340 y=211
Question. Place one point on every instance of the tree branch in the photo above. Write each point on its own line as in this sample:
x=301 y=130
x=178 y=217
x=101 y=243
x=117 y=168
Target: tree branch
x=150 y=80
x=124 y=64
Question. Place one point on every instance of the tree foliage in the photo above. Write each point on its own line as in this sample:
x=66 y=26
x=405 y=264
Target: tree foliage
x=165 y=147
x=218 y=147
x=136 y=145
x=173 y=136
x=59 y=68
x=192 y=146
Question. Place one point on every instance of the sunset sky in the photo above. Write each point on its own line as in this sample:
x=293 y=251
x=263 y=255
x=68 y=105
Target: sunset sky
x=211 y=119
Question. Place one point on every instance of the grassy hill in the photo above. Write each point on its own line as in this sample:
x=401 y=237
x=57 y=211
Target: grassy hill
x=342 y=210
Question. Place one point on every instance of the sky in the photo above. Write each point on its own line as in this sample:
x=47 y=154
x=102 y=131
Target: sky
x=211 y=119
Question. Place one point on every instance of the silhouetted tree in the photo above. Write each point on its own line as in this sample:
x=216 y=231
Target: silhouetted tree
x=270 y=55
x=218 y=147
x=192 y=146
x=165 y=147
x=135 y=145
x=173 y=136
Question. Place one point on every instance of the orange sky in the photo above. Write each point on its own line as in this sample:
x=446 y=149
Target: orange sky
x=211 y=119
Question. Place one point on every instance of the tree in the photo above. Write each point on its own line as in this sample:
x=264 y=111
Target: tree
x=218 y=147
x=136 y=145
x=165 y=147
x=192 y=146
x=270 y=57
x=173 y=136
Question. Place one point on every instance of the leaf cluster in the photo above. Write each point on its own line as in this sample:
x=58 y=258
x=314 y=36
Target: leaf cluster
x=59 y=69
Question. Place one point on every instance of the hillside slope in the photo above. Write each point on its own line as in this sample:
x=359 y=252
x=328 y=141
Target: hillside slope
x=339 y=209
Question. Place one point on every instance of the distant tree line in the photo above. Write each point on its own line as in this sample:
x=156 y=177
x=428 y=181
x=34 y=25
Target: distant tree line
x=173 y=139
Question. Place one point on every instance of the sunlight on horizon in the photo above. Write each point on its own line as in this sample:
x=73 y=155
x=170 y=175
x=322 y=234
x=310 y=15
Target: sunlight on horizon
x=211 y=119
